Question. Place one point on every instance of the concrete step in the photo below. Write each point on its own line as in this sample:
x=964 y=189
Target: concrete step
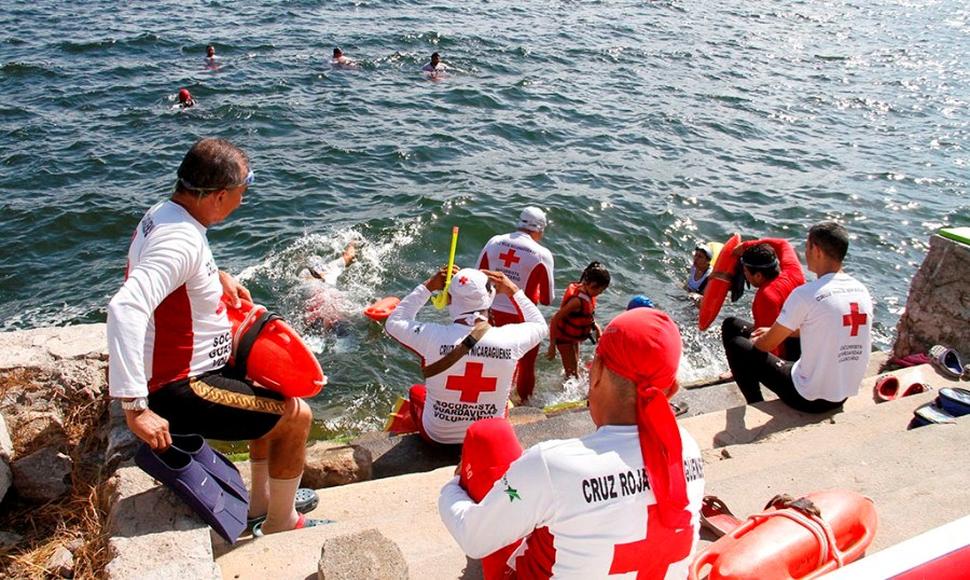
x=857 y=449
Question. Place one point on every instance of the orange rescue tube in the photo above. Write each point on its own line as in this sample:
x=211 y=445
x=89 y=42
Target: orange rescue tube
x=772 y=545
x=383 y=308
x=270 y=353
x=719 y=283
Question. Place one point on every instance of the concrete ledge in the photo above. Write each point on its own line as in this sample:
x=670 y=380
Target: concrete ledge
x=153 y=534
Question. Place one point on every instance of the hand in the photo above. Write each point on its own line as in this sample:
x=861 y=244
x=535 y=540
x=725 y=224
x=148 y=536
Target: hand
x=759 y=332
x=350 y=253
x=738 y=250
x=150 y=428
x=501 y=282
x=233 y=289
x=437 y=282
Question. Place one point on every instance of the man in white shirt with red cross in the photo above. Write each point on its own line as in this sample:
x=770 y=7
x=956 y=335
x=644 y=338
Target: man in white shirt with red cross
x=832 y=316
x=476 y=384
x=169 y=340
x=624 y=500
x=530 y=266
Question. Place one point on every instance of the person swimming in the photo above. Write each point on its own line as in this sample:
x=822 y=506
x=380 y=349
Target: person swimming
x=435 y=68
x=211 y=60
x=319 y=278
x=185 y=99
x=342 y=61
x=700 y=268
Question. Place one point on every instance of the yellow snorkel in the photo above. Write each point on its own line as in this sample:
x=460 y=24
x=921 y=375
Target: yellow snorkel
x=441 y=299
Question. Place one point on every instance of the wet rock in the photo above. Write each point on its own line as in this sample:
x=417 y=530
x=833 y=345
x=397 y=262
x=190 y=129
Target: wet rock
x=43 y=475
x=938 y=307
x=61 y=563
x=330 y=464
x=366 y=554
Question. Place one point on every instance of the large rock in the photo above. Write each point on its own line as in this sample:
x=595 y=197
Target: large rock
x=154 y=536
x=329 y=464
x=6 y=479
x=43 y=475
x=9 y=541
x=40 y=347
x=36 y=428
x=938 y=307
x=120 y=442
x=6 y=445
x=362 y=555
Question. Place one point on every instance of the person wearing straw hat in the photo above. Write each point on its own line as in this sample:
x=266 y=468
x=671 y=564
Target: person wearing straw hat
x=521 y=257
x=624 y=499
x=467 y=365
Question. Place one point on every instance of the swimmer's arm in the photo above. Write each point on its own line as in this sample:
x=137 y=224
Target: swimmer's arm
x=768 y=340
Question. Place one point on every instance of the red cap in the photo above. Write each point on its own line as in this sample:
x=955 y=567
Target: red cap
x=643 y=345
x=184 y=95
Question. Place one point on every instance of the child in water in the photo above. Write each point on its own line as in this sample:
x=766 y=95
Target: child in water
x=575 y=322
x=700 y=268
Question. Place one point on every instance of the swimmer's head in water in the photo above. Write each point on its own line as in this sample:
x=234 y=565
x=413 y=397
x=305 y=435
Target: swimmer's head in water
x=470 y=292
x=760 y=264
x=184 y=96
x=435 y=59
x=337 y=53
x=702 y=257
x=210 y=50
x=639 y=301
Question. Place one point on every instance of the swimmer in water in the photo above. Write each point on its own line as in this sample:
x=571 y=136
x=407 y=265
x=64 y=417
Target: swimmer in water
x=319 y=278
x=185 y=99
x=435 y=68
x=211 y=60
x=342 y=61
x=700 y=269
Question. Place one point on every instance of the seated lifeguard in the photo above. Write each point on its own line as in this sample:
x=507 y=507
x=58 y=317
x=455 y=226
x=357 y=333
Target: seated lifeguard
x=467 y=365
x=832 y=316
x=622 y=500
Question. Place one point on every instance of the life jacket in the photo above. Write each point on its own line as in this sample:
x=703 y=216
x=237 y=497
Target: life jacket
x=577 y=326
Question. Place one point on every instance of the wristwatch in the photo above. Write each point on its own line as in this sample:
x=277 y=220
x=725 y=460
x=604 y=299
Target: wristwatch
x=134 y=404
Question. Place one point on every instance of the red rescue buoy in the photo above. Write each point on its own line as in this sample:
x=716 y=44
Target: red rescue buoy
x=270 y=353
x=383 y=308
x=719 y=283
x=787 y=544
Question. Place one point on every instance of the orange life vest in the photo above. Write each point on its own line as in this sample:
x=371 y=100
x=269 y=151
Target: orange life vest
x=577 y=326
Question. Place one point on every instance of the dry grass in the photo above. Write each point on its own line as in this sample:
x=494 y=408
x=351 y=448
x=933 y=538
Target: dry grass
x=76 y=520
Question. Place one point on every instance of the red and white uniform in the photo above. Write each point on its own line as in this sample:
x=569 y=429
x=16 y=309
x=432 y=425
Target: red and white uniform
x=477 y=386
x=586 y=507
x=834 y=318
x=525 y=262
x=167 y=321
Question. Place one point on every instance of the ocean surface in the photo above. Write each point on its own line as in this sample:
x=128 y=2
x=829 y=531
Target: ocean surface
x=641 y=127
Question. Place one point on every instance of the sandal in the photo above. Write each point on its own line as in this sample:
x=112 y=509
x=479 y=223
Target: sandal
x=915 y=389
x=930 y=414
x=947 y=361
x=306 y=501
x=301 y=522
x=954 y=401
x=886 y=388
x=716 y=517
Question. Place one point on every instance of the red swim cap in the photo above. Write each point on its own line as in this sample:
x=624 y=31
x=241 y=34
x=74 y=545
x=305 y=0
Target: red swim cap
x=184 y=95
x=643 y=345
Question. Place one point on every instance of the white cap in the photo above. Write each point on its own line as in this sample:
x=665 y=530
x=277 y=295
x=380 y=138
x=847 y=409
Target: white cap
x=532 y=219
x=470 y=292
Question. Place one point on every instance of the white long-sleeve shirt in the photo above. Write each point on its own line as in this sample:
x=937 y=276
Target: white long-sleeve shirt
x=167 y=322
x=477 y=386
x=586 y=507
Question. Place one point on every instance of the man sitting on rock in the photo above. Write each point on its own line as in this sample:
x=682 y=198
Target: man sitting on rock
x=467 y=365
x=169 y=339
x=832 y=316
x=624 y=499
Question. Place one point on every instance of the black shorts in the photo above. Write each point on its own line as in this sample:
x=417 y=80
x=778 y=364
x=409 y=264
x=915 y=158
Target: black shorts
x=217 y=406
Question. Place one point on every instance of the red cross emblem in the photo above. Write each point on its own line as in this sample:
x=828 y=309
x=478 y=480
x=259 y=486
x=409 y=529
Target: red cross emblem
x=509 y=258
x=472 y=383
x=651 y=556
x=463 y=280
x=854 y=318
